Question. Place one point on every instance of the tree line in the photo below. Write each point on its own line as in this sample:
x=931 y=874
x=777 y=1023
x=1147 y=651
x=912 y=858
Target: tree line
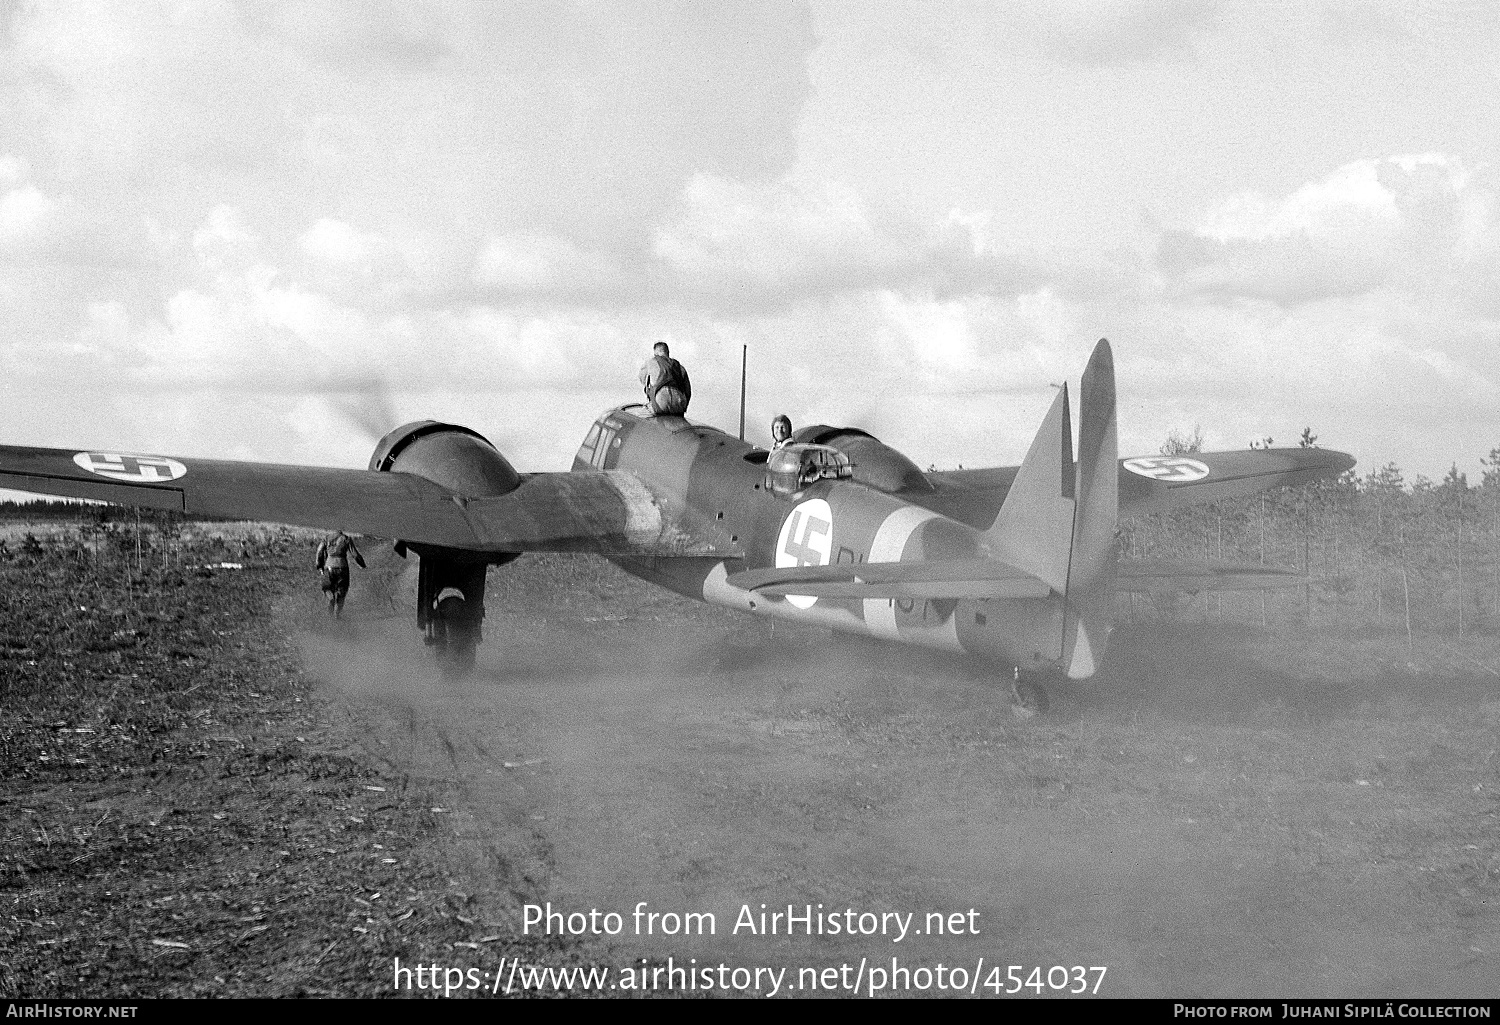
x=1381 y=553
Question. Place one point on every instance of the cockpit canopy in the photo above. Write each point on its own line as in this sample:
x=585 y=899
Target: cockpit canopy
x=875 y=464
x=792 y=468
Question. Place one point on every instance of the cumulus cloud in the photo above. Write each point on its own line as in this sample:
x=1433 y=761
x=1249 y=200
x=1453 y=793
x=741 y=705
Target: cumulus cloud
x=243 y=321
x=1420 y=223
x=23 y=214
x=39 y=228
x=746 y=249
x=336 y=257
x=784 y=242
x=269 y=229
x=531 y=265
x=214 y=200
x=460 y=120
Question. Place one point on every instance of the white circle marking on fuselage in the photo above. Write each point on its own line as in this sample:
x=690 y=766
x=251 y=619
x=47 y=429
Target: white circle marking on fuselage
x=806 y=540
x=889 y=545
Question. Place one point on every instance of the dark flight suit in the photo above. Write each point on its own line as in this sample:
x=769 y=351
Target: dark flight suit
x=667 y=388
x=333 y=560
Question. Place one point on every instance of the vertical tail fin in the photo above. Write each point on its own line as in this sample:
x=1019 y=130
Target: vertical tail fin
x=1091 y=570
x=1058 y=523
x=1034 y=531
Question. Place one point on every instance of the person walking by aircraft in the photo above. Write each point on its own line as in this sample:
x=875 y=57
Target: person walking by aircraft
x=666 y=382
x=333 y=568
x=781 y=431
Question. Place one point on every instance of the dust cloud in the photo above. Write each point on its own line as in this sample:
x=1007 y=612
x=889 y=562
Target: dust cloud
x=1193 y=818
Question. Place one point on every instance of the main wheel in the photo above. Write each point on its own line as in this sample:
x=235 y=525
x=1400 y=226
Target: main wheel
x=1029 y=698
x=457 y=658
x=457 y=637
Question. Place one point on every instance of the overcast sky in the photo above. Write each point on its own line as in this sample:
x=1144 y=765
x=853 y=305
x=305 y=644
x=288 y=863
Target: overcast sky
x=273 y=230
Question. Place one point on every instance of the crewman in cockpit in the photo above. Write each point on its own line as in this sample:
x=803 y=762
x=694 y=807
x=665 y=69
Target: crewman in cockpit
x=781 y=431
x=665 y=380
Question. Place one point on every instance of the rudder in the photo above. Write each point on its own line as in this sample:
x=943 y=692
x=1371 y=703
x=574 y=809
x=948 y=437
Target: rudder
x=1091 y=570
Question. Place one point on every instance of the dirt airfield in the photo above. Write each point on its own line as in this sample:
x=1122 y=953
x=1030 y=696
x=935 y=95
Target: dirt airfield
x=1214 y=815
x=1221 y=812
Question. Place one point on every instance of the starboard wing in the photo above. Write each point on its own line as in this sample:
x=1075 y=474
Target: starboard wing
x=608 y=512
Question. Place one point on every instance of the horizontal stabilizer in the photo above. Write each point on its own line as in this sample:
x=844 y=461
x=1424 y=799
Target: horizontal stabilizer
x=960 y=578
x=1165 y=575
x=1149 y=484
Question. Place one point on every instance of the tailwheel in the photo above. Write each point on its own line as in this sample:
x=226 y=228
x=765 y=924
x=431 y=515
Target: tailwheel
x=1028 y=698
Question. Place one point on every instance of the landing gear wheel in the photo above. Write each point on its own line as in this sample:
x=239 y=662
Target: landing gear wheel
x=457 y=657
x=1028 y=699
x=456 y=637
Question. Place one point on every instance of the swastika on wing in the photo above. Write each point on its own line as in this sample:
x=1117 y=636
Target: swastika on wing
x=1172 y=469
x=135 y=469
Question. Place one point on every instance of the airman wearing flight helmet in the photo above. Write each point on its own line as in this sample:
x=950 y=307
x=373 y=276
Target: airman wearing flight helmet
x=781 y=431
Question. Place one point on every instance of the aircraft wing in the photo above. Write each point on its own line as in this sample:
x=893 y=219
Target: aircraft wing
x=1194 y=576
x=610 y=512
x=1149 y=484
x=964 y=578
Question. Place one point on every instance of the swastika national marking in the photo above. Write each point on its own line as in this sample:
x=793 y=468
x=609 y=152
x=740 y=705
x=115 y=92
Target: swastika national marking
x=801 y=550
x=135 y=469
x=806 y=540
x=1173 y=469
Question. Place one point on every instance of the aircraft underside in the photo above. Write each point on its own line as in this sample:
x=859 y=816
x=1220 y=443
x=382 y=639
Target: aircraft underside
x=1009 y=632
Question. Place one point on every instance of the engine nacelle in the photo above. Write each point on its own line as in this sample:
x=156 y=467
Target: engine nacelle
x=458 y=458
x=450 y=582
x=874 y=463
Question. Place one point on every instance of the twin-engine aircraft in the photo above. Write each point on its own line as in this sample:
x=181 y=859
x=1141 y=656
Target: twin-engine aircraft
x=1014 y=564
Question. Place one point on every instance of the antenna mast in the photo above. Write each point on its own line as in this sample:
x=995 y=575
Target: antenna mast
x=744 y=359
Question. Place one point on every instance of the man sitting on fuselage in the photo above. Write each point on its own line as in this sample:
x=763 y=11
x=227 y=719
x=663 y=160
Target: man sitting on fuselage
x=668 y=390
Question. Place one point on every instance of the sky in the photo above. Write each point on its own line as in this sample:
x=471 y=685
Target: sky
x=273 y=231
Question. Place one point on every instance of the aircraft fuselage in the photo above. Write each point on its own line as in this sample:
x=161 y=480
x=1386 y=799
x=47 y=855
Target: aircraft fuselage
x=714 y=477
